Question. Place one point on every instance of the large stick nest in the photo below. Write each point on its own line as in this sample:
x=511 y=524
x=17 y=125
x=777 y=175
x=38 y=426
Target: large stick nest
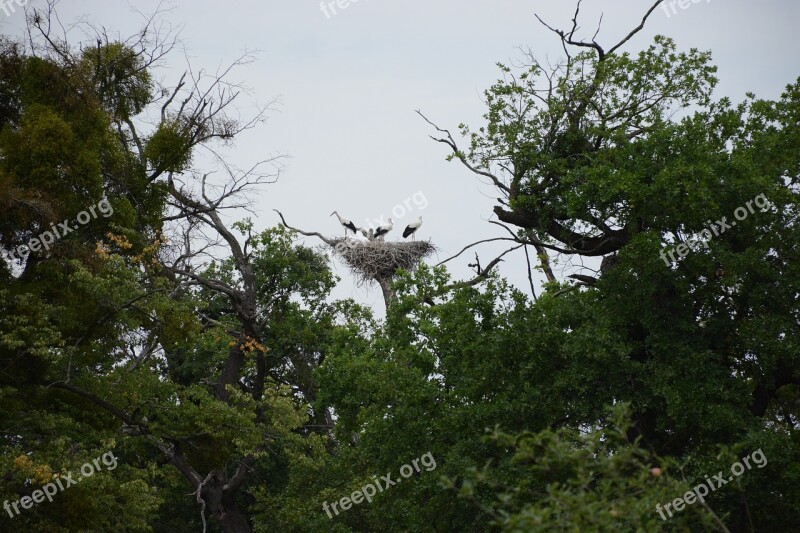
x=374 y=260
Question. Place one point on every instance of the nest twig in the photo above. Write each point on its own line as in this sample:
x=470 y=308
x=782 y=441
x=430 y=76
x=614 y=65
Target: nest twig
x=380 y=260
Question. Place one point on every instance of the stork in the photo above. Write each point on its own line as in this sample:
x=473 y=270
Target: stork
x=384 y=229
x=412 y=228
x=348 y=225
x=368 y=234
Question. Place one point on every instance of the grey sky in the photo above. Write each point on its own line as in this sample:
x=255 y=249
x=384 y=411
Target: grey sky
x=348 y=86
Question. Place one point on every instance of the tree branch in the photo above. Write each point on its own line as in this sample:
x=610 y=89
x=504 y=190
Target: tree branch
x=306 y=233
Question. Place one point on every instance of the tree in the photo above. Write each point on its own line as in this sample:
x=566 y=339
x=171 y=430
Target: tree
x=209 y=357
x=165 y=346
x=591 y=162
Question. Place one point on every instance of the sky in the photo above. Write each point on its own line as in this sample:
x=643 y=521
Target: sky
x=347 y=82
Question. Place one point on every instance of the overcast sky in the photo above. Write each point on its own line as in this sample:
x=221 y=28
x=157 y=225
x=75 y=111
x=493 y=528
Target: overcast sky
x=348 y=84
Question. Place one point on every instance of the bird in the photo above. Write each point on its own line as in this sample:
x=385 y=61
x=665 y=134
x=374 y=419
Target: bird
x=384 y=229
x=412 y=228
x=368 y=234
x=345 y=223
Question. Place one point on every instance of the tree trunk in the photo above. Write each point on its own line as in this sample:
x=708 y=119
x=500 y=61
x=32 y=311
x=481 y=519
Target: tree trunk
x=223 y=506
x=388 y=292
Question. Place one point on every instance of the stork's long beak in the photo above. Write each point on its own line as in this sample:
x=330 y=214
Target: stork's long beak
x=332 y=214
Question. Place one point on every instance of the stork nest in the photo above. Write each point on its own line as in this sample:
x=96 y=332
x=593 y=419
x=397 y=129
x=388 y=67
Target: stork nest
x=374 y=260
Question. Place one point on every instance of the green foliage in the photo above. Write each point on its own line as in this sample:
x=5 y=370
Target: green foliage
x=169 y=148
x=123 y=81
x=699 y=357
x=573 y=147
x=567 y=480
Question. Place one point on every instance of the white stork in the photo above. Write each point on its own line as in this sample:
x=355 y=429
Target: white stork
x=412 y=228
x=368 y=234
x=348 y=225
x=384 y=229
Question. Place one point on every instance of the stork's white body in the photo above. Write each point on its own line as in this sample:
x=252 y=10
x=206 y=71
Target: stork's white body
x=412 y=228
x=384 y=229
x=346 y=224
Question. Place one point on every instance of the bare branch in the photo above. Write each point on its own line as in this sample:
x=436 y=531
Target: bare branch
x=449 y=141
x=569 y=38
x=530 y=273
x=483 y=273
x=637 y=29
x=467 y=247
x=324 y=239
